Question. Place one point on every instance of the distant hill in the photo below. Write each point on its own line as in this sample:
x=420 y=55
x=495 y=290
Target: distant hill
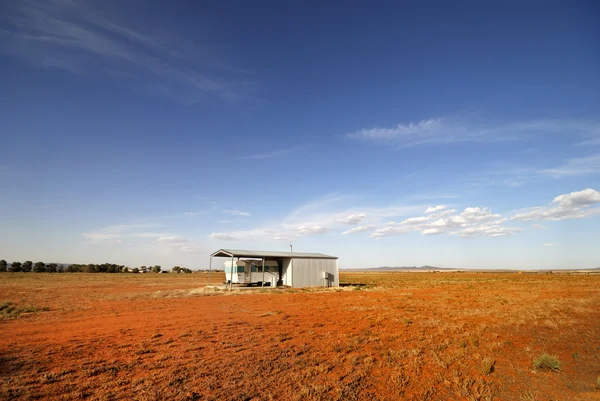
x=428 y=268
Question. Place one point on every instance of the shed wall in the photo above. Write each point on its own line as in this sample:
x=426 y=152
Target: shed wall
x=309 y=272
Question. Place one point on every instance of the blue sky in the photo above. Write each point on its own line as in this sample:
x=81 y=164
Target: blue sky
x=387 y=133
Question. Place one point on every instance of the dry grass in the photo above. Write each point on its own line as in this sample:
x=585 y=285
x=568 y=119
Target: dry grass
x=547 y=362
x=401 y=336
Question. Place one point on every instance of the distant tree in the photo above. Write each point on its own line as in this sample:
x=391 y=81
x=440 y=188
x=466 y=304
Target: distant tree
x=16 y=267
x=51 y=267
x=74 y=268
x=39 y=267
x=185 y=270
x=89 y=268
x=3 y=265
x=156 y=269
x=176 y=269
x=27 y=266
x=136 y=270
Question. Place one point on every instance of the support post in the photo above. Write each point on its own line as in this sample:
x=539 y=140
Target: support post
x=209 y=269
x=263 y=279
x=231 y=280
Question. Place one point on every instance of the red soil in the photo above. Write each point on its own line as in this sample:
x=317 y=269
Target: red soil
x=403 y=336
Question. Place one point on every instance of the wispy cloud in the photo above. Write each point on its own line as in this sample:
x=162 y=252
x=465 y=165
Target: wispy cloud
x=352 y=219
x=450 y=130
x=120 y=231
x=236 y=212
x=88 y=38
x=575 y=205
x=536 y=226
x=574 y=167
x=434 y=209
x=143 y=234
x=588 y=142
x=355 y=230
x=223 y=237
x=549 y=244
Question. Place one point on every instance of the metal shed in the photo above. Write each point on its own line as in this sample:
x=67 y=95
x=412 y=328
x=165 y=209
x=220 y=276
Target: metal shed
x=294 y=269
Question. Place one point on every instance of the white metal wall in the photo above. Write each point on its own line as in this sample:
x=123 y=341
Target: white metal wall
x=309 y=273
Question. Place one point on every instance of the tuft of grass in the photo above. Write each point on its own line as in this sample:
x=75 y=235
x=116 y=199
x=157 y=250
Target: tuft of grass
x=487 y=366
x=528 y=396
x=9 y=310
x=598 y=382
x=546 y=362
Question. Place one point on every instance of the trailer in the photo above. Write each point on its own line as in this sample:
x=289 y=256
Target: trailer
x=250 y=272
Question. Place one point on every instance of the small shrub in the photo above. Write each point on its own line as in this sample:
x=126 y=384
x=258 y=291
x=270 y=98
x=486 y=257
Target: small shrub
x=528 y=396
x=8 y=310
x=487 y=366
x=547 y=362
x=598 y=382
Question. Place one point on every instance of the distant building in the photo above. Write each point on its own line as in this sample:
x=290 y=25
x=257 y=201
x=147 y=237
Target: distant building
x=281 y=268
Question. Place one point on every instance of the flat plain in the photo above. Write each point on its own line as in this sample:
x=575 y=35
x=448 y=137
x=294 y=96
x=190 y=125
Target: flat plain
x=382 y=336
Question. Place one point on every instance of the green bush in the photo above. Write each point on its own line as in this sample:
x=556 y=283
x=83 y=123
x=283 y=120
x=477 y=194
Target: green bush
x=547 y=362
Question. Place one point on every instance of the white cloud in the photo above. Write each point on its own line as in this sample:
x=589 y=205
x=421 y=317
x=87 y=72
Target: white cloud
x=356 y=229
x=415 y=220
x=236 y=212
x=321 y=216
x=587 y=197
x=471 y=222
x=538 y=226
x=387 y=231
x=222 y=237
x=172 y=240
x=574 y=205
x=190 y=213
x=311 y=230
x=549 y=244
x=351 y=219
x=421 y=129
x=189 y=249
x=91 y=38
x=449 y=130
x=489 y=231
x=431 y=231
x=434 y=209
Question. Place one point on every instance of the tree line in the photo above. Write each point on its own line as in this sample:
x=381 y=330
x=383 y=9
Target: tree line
x=41 y=267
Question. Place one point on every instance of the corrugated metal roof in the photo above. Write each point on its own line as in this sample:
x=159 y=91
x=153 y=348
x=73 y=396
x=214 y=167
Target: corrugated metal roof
x=239 y=253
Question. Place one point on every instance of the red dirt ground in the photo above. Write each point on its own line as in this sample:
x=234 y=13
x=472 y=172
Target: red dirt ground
x=414 y=336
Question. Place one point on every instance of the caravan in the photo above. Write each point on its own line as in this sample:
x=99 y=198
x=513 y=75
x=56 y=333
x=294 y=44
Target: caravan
x=250 y=272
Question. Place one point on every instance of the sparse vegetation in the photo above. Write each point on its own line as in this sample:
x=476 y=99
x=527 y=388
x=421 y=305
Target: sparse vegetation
x=487 y=366
x=8 y=310
x=403 y=336
x=546 y=361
